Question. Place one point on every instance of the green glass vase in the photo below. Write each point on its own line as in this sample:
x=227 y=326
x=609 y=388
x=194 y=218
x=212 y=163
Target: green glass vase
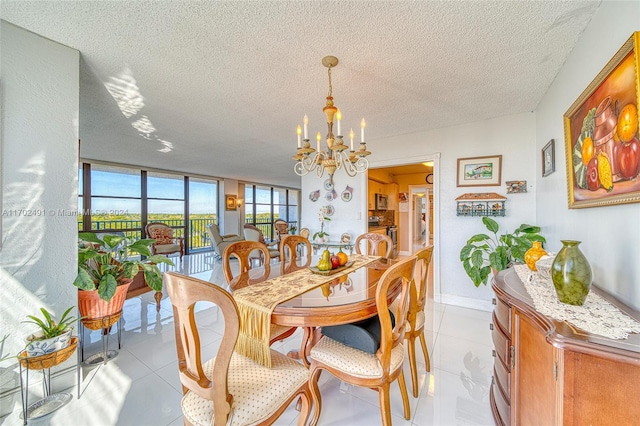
x=571 y=274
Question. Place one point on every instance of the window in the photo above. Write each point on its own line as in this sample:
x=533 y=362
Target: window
x=263 y=205
x=123 y=200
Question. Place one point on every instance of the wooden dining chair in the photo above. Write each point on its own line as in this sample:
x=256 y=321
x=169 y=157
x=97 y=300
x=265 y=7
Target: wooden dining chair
x=243 y=251
x=416 y=315
x=246 y=252
x=360 y=368
x=229 y=388
x=372 y=243
x=293 y=247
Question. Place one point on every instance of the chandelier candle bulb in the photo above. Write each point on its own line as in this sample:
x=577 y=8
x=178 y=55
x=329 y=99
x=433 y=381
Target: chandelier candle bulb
x=318 y=137
x=339 y=118
x=351 y=135
x=305 y=120
x=299 y=132
x=362 y=126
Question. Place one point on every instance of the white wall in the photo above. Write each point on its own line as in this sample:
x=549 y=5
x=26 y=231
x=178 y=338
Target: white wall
x=348 y=217
x=513 y=137
x=38 y=263
x=610 y=235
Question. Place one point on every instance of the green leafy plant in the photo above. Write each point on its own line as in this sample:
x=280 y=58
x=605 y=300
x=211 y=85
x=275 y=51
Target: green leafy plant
x=104 y=263
x=320 y=234
x=482 y=253
x=49 y=327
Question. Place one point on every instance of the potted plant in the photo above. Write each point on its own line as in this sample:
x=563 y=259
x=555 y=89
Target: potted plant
x=52 y=335
x=322 y=217
x=106 y=269
x=483 y=253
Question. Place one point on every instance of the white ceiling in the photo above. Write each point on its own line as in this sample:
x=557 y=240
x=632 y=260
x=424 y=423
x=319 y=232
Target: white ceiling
x=223 y=85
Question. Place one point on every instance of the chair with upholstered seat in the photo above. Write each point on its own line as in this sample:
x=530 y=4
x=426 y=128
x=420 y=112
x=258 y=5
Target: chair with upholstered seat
x=304 y=232
x=253 y=233
x=416 y=316
x=281 y=228
x=229 y=388
x=292 y=248
x=220 y=242
x=165 y=243
x=372 y=242
x=373 y=370
x=245 y=252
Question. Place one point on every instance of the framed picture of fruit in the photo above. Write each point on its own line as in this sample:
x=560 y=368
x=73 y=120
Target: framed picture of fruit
x=602 y=146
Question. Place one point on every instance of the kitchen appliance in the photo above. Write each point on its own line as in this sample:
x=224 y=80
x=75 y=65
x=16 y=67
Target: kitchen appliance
x=392 y=232
x=382 y=201
x=374 y=221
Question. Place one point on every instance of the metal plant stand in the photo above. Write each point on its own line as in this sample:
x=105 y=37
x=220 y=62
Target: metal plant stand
x=103 y=323
x=50 y=402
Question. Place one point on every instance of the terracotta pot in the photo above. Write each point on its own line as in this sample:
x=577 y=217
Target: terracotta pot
x=92 y=307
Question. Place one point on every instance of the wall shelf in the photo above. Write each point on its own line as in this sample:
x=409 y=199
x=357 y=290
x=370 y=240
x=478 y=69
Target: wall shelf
x=480 y=204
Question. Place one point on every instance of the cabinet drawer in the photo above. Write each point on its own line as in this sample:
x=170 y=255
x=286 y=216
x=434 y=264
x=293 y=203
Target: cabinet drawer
x=504 y=408
x=503 y=378
x=502 y=345
x=502 y=313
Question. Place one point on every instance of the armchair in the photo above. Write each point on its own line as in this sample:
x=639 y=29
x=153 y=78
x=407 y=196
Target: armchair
x=220 y=242
x=165 y=243
x=252 y=233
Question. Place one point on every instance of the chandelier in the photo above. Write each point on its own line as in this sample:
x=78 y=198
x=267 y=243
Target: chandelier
x=335 y=156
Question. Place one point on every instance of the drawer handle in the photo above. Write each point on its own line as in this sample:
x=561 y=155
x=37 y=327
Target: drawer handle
x=491 y=326
x=493 y=301
x=493 y=353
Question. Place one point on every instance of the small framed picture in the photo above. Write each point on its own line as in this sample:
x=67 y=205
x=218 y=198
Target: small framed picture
x=549 y=158
x=480 y=171
x=231 y=202
x=516 y=186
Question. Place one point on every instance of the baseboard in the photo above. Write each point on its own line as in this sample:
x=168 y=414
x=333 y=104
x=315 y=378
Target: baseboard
x=466 y=302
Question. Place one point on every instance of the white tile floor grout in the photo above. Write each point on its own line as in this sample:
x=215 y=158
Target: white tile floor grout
x=141 y=386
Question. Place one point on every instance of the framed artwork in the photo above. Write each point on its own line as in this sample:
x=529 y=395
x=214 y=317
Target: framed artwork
x=403 y=197
x=231 y=202
x=516 y=186
x=601 y=135
x=549 y=158
x=479 y=171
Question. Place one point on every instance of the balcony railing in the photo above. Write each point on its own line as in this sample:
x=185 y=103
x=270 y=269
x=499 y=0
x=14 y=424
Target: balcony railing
x=198 y=238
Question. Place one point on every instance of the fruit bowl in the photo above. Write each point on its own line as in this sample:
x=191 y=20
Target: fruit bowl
x=315 y=269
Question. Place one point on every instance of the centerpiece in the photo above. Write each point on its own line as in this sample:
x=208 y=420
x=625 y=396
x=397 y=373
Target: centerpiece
x=321 y=236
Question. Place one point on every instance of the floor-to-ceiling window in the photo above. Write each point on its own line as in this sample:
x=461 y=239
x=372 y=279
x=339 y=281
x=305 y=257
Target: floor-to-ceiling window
x=203 y=210
x=120 y=199
x=265 y=204
x=115 y=200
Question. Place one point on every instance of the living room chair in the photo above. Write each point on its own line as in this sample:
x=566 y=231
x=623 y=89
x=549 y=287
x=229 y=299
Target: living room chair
x=246 y=252
x=293 y=247
x=229 y=388
x=372 y=241
x=165 y=243
x=220 y=242
x=281 y=228
x=253 y=233
x=416 y=315
x=372 y=370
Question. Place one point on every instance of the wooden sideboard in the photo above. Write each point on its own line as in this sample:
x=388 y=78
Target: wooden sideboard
x=547 y=372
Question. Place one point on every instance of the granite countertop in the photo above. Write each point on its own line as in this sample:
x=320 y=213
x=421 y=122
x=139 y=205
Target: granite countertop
x=377 y=228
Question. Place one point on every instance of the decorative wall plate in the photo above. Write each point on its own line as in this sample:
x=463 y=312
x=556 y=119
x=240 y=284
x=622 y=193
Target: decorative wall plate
x=330 y=210
x=329 y=196
x=328 y=185
x=314 y=195
x=347 y=193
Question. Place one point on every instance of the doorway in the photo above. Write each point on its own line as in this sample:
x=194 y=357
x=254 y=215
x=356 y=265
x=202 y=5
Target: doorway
x=406 y=206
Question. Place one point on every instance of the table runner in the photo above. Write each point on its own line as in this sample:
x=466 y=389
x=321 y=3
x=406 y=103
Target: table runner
x=257 y=302
x=597 y=316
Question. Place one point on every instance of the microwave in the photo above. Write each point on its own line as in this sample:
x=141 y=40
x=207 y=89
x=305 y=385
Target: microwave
x=382 y=202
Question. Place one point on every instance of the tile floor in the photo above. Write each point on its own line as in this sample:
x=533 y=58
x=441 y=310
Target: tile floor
x=141 y=386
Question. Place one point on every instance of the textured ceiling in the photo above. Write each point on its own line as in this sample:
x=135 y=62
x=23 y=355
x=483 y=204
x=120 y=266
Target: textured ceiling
x=218 y=88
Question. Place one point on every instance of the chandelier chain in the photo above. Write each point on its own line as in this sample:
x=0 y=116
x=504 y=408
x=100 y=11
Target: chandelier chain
x=330 y=86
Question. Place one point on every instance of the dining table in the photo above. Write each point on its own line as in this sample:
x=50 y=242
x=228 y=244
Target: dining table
x=341 y=300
